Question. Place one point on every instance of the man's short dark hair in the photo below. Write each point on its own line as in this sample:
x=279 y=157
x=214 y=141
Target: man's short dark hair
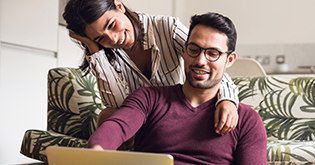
x=216 y=21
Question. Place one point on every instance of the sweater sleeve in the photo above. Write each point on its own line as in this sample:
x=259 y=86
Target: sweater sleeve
x=124 y=123
x=252 y=146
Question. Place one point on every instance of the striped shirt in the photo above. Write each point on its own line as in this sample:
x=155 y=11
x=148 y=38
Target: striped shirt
x=165 y=36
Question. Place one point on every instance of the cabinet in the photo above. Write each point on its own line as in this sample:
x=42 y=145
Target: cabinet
x=31 y=23
x=23 y=97
x=28 y=49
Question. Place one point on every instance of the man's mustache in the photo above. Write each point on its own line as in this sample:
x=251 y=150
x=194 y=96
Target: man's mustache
x=201 y=67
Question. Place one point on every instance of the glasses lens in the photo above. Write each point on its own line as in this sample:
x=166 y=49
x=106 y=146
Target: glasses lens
x=193 y=50
x=212 y=54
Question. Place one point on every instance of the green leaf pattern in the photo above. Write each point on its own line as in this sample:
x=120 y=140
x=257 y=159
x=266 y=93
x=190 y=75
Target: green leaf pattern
x=286 y=106
x=73 y=106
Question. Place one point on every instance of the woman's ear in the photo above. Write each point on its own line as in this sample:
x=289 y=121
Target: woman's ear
x=119 y=6
x=230 y=59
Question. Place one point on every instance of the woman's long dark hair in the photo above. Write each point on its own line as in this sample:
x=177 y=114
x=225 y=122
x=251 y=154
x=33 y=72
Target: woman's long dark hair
x=79 y=13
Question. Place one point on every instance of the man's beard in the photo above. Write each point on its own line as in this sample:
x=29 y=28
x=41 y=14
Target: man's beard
x=206 y=84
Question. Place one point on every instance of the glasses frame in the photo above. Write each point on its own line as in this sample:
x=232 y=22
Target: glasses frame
x=205 y=49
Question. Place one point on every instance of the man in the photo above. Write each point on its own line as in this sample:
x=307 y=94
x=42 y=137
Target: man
x=175 y=119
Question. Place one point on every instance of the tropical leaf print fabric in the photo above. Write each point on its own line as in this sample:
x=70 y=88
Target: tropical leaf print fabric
x=285 y=104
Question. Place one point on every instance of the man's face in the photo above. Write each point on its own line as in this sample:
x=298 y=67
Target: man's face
x=201 y=73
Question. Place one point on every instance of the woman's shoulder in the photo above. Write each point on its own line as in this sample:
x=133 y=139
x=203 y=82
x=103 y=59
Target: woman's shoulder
x=144 y=17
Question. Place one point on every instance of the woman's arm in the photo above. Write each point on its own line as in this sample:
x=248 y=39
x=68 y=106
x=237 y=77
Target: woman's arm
x=107 y=79
x=226 y=116
x=92 y=46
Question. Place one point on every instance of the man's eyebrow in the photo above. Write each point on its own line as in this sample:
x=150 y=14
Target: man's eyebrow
x=105 y=26
x=219 y=49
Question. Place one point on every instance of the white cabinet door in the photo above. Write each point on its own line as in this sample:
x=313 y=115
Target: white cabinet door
x=23 y=97
x=31 y=23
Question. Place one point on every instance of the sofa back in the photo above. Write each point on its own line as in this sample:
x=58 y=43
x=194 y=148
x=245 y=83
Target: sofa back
x=73 y=102
x=285 y=104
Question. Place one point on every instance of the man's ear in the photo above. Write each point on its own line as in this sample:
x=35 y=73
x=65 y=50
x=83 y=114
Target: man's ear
x=230 y=59
x=119 y=6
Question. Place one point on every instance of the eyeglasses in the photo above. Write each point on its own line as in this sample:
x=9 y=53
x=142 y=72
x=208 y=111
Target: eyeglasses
x=212 y=54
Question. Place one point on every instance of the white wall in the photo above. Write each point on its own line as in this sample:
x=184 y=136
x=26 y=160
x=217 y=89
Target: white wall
x=154 y=7
x=266 y=28
x=262 y=22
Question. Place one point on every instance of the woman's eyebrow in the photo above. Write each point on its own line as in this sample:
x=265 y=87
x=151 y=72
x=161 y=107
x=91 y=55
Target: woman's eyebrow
x=105 y=26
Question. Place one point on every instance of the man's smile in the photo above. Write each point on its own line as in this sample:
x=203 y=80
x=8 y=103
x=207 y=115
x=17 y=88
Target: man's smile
x=199 y=71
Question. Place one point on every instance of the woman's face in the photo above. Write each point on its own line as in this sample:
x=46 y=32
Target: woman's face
x=112 y=30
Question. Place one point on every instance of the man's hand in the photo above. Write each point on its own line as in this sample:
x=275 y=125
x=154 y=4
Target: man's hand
x=225 y=117
x=105 y=114
x=97 y=147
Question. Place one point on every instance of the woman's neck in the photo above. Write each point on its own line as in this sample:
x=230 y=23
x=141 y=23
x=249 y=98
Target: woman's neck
x=142 y=59
x=138 y=48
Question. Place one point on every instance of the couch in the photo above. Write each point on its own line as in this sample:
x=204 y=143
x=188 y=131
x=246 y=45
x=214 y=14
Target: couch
x=285 y=104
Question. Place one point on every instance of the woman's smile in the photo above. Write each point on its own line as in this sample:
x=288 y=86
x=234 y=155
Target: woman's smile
x=123 y=39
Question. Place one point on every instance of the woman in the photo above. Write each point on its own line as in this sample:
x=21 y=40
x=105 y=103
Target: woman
x=126 y=50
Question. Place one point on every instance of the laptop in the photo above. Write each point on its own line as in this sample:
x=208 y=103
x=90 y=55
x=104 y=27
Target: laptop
x=82 y=156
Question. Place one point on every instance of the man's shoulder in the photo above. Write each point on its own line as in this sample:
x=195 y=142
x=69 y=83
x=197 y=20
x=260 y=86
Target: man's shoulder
x=245 y=107
x=247 y=111
x=249 y=118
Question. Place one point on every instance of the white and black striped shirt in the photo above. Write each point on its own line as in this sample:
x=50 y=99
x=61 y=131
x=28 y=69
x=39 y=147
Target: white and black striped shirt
x=166 y=37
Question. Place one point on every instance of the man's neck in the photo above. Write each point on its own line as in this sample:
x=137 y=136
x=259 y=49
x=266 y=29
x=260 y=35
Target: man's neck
x=198 y=96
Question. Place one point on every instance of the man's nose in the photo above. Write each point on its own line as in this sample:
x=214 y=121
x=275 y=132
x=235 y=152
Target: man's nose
x=201 y=58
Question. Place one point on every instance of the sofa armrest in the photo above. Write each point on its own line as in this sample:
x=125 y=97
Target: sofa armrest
x=35 y=142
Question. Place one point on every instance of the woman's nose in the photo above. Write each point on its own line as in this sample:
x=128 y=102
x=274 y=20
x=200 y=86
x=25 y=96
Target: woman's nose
x=112 y=38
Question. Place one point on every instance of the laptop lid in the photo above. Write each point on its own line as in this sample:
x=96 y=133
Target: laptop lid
x=82 y=156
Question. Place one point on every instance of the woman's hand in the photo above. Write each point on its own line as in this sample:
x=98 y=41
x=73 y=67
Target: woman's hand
x=93 y=47
x=225 y=117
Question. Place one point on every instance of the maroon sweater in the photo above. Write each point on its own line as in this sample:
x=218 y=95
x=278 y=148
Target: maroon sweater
x=165 y=122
